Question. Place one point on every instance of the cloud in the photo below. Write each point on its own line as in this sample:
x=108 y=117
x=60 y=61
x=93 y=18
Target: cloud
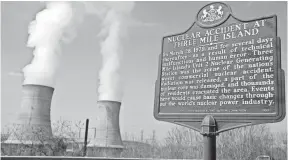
x=15 y=73
x=249 y=4
x=101 y=9
x=138 y=23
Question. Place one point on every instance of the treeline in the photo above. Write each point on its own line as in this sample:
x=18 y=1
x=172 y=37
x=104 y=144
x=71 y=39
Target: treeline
x=244 y=143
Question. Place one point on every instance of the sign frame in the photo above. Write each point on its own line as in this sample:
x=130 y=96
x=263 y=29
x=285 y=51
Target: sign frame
x=226 y=121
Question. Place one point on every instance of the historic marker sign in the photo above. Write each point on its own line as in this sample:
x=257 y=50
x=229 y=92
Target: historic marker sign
x=221 y=66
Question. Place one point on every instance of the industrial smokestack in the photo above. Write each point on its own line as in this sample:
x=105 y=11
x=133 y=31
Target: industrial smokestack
x=108 y=140
x=34 y=117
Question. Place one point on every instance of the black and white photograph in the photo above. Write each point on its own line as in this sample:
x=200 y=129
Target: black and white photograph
x=197 y=80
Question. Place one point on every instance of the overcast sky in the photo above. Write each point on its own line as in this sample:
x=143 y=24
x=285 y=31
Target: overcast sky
x=75 y=93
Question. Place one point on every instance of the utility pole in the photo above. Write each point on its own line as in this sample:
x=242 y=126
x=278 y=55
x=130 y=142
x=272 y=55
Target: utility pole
x=153 y=143
x=142 y=132
x=153 y=138
x=86 y=136
x=126 y=136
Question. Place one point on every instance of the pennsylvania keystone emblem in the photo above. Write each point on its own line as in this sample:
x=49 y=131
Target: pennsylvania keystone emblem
x=213 y=14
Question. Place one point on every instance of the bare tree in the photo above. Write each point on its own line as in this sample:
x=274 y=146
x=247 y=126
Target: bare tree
x=245 y=143
x=182 y=143
x=65 y=133
x=279 y=147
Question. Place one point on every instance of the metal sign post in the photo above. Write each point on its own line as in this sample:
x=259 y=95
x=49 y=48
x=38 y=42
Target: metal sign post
x=208 y=131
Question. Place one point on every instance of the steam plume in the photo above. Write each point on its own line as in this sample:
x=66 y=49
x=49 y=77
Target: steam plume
x=52 y=26
x=115 y=17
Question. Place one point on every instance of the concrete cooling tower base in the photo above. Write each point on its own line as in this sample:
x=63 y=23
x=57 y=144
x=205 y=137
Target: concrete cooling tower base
x=104 y=152
x=108 y=142
x=33 y=125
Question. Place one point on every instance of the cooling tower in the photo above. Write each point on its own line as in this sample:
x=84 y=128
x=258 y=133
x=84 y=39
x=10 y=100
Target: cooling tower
x=33 y=124
x=107 y=141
